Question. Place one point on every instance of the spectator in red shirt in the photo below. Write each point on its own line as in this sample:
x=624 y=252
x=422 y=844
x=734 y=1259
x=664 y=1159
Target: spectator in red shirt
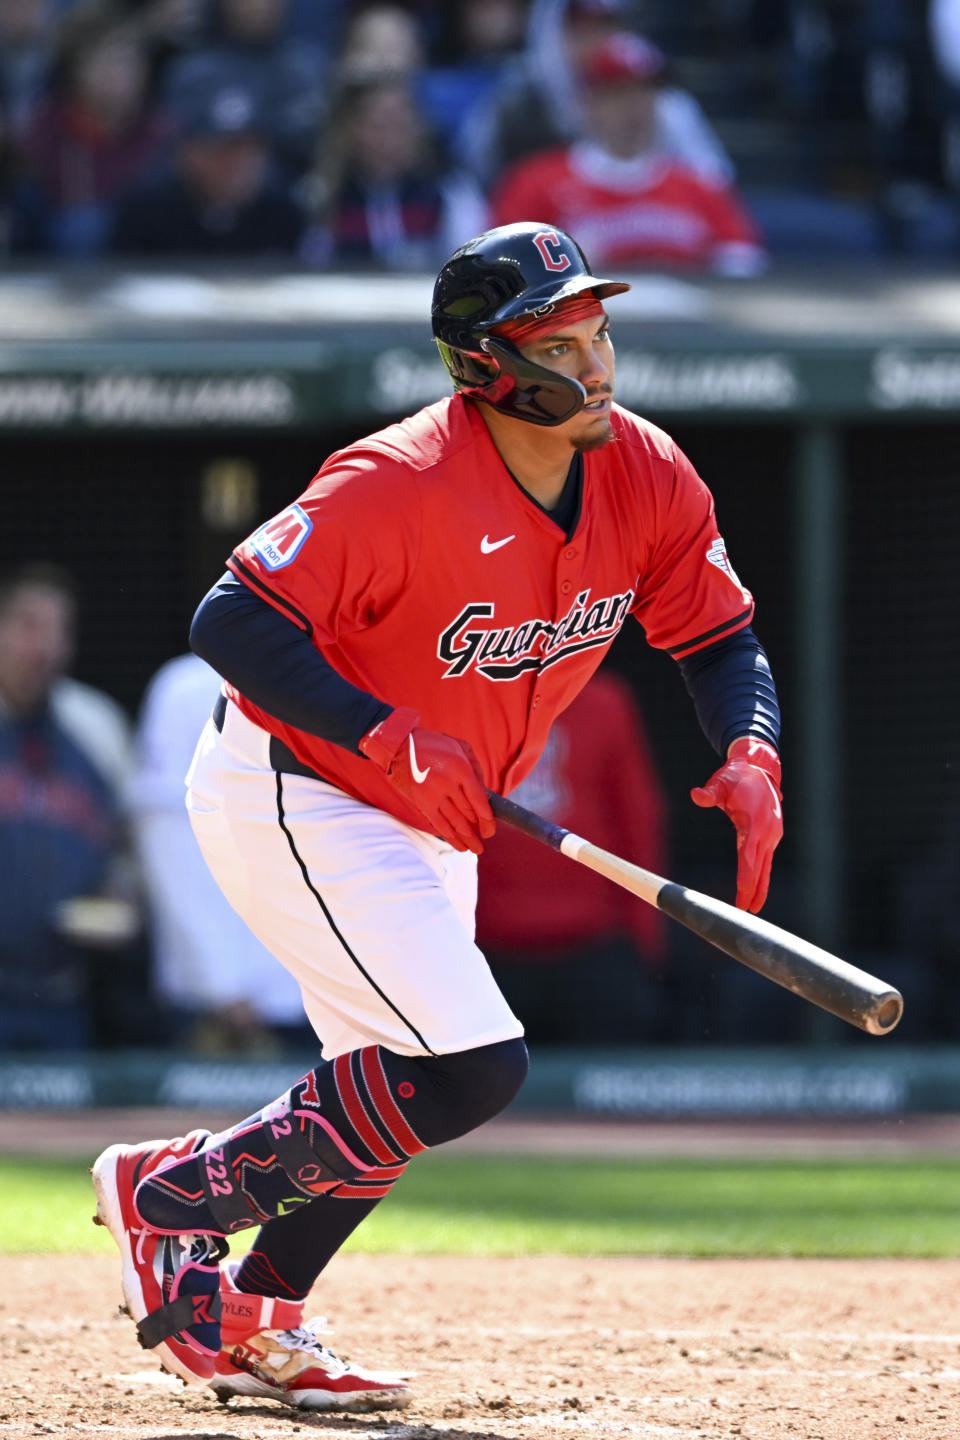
x=581 y=960
x=629 y=201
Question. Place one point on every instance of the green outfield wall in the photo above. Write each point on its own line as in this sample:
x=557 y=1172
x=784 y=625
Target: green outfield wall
x=625 y=1084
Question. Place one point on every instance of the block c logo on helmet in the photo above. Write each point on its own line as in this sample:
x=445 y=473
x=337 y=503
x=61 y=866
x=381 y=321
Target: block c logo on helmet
x=560 y=261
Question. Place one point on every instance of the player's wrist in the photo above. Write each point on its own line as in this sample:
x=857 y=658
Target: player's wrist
x=756 y=752
x=381 y=743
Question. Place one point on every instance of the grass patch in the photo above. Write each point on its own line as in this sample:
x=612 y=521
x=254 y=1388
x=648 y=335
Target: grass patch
x=479 y=1205
x=487 y=1205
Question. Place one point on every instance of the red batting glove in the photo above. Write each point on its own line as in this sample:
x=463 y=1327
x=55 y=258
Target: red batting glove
x=747 y=788
x=441 y=776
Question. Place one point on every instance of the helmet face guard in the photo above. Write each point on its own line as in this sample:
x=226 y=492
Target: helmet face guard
x=511 y=384
x=506 y=274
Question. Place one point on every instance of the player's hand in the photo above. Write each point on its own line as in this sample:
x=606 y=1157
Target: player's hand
x=747 y=788
x=441 y=776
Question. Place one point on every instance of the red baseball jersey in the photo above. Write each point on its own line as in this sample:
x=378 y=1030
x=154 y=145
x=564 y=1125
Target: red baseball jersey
x=426 y=576
x=645 y=211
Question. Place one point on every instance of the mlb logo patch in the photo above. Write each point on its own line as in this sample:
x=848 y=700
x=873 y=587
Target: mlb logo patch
x=277 y=542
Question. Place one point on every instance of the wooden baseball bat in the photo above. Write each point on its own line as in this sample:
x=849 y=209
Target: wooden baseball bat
x=823 y=979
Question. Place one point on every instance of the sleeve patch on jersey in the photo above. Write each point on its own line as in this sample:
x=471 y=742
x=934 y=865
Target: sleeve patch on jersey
x=717 y=555
x=277 y=543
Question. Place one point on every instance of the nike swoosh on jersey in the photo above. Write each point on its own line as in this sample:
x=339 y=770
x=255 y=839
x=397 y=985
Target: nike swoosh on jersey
x=488 y=546
x=418 y=774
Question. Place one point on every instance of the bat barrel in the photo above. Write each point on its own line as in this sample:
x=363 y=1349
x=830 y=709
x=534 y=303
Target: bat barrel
x=824 y=979
x=814 y=974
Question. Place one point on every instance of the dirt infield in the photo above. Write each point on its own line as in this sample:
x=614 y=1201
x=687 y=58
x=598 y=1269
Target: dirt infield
x=532 y=1348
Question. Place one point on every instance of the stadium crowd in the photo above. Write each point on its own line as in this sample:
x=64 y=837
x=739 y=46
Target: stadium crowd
x=346 y=134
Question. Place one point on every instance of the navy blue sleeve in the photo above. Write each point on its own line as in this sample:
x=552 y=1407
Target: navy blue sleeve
x=732 y=689
x=276 y=666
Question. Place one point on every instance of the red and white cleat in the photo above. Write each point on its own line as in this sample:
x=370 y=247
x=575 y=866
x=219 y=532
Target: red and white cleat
x=269 y=1352
x=171 y=1283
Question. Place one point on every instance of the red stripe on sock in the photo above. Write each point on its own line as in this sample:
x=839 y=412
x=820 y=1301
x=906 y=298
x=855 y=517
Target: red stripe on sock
x=361 y=1192
x=356 y=1114
x=375 y=1182
x=386 y=1172
x=387 y=1108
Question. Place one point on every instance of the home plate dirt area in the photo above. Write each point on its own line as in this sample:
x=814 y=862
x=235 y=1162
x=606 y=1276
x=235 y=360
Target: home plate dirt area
x=526 y=1349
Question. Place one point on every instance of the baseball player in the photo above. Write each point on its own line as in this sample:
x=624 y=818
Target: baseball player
x=394 y=644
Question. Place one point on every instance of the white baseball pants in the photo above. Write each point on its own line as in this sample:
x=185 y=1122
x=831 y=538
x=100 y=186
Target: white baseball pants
x=374 y=919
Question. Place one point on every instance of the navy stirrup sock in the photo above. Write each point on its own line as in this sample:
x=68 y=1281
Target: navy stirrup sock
x=290 y=1252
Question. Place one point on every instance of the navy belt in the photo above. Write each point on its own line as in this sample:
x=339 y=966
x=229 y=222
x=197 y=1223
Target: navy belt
x=282 y=757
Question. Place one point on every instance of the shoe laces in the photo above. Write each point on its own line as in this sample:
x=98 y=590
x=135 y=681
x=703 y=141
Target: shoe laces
x=307 y=1337
x=206 y=1249
x=201 y=1249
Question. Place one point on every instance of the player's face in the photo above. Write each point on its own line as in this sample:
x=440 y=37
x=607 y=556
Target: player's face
x=582 y=352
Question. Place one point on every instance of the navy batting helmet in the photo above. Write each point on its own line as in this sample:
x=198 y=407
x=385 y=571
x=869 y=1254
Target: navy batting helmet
x=506 y=274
